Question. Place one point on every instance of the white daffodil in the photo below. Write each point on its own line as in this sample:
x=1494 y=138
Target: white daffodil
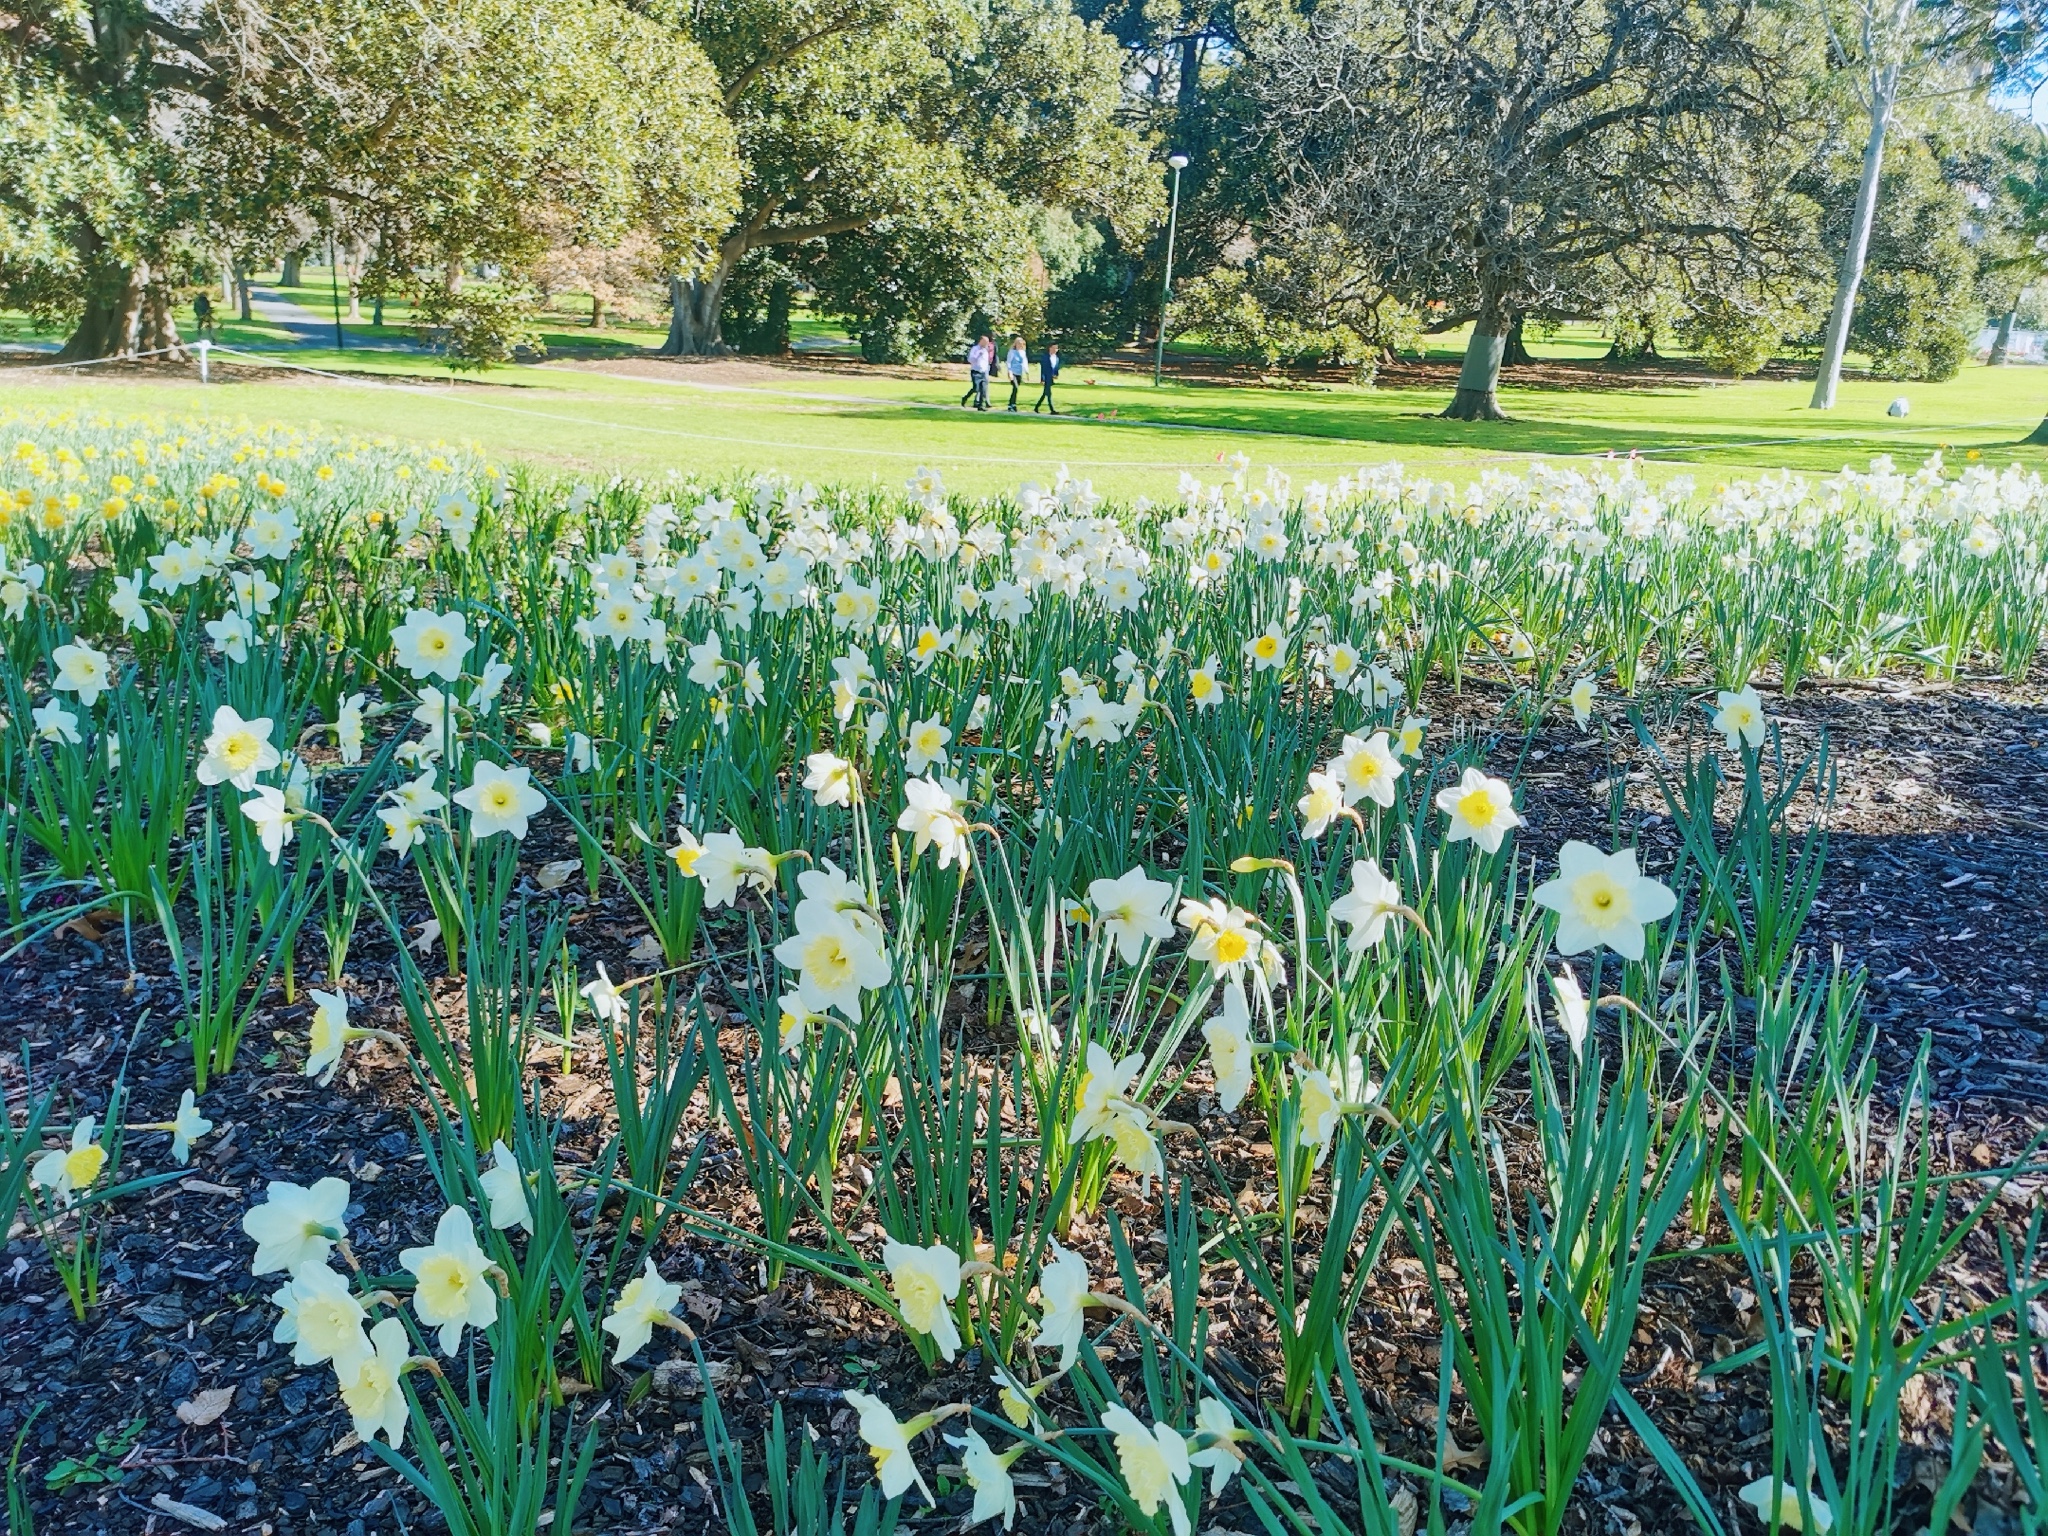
x=1584 y=691
x=1230 y=1047
x=126 y=601
x=1365 y=908
x=1599 y=898
x=988 y=1474
x=500 y=800
x=321 y=1319
x=831 y=779
x=66 y=1172
x=274 y=819
x=296 y=1225
x=1739 y=717
x=79 y=668
x=236 y=750
x=836 y=955
x=504 y=1186
x=372 y=1393
x=1131 y=910
x=454 y=1275
x=348 y=729
x=647 y=1301
x=725 y=863
x=605 y=999
x=430 y=644
x=933 y=815
x=1104 y=1111
x=186 y=1127
x=1786 y=1512
x=1062 y=1296
x=888 y=1444
x=1573 y=1017
x=1366 y=769
x=1268 y=649
x=1481 y=809
x=926 y=1281
x=231 y=634
x=53 y=722
x=925 y=744
x=1323 y=802
x=1222 y=935
x=1217 y=1425
x=1154 y=1463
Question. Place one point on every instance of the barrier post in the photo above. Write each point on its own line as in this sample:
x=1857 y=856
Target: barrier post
x=205 y=346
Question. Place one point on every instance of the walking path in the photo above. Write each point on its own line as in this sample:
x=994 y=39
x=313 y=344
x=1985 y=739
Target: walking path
x=310 y=329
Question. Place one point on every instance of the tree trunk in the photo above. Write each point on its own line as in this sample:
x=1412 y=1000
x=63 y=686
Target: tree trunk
x=157 y=325
x=377 y=308
x=242 y=293
x=597 y=311
x=2002 y=342
x=294 y=268
x=1513 y=353
x=694 y=304
x=1884 y=90
x=124 y=313
x=1188 y=87
x=227 y=281
x=355 y=299
x=1479 y=378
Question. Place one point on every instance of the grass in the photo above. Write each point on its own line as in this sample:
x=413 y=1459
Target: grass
x=1119 y=431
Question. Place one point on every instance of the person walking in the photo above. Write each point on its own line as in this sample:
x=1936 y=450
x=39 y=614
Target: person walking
x=1048 y=371
x=1014 y=365
x=202 y=313
x=980 y=358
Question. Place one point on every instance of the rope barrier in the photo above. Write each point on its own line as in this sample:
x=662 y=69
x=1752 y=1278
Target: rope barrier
x=122 y=357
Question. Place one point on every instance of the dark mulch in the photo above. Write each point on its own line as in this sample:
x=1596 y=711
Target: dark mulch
x=1935 y=887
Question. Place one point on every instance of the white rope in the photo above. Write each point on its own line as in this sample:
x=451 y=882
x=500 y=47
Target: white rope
x=94 y=362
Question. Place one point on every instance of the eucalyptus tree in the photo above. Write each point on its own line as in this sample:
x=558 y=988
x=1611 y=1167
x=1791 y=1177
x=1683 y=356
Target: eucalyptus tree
x=1887 y=52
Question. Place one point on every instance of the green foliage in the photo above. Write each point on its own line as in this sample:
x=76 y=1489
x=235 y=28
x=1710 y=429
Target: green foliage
x=102 y=1464
x=1917 y=309
x=1307 y=302
x=480 y=324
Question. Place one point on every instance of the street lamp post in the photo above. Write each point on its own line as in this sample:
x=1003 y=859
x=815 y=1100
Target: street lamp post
x=1179 y=162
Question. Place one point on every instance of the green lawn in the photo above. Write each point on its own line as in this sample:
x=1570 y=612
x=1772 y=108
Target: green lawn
x=849 y=425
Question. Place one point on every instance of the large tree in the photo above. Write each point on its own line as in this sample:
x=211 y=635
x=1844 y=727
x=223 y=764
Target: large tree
x=446 y=134
x=894 y=143
x=1495 y=155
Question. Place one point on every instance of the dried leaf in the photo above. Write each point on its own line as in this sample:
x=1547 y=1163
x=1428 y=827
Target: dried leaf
x=1457 y=1458
x=205 y=1407
x=649 y=948
x=552 y=877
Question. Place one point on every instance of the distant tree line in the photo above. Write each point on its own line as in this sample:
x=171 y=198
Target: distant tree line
x=1743 y=179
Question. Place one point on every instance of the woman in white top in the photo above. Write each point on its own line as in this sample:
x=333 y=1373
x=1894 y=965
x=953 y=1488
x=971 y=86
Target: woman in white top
x=1014 y=365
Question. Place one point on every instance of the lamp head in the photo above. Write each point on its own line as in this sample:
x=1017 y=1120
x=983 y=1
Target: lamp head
x=1178 y=161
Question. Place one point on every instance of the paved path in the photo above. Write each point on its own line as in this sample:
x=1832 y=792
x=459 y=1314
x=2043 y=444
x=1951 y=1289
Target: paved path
x=310 y=329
